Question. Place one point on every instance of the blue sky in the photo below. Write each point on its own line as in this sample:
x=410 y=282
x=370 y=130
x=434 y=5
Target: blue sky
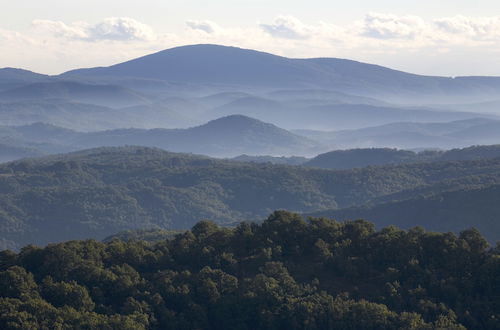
x=427 y=37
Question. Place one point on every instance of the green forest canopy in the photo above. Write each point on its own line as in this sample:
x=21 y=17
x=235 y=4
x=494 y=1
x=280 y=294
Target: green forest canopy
x=284 y=273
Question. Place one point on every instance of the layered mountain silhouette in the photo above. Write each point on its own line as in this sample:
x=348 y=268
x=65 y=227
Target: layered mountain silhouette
x=333 y=116
x=256 y=141
x=221 y=65
x=360 y=105
x=104 y=95
x=224 y=137
x=413 y=135
x=189 y=85
x=227 y=136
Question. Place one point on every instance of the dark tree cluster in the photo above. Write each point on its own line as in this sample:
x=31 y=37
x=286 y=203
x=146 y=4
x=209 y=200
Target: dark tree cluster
x=284 y=273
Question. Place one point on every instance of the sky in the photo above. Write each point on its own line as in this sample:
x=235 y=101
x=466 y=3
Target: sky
x=445 y=37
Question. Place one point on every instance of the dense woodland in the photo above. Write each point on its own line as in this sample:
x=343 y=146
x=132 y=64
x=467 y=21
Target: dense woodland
x=475 y=207
x=284 y=273
x=99 y=192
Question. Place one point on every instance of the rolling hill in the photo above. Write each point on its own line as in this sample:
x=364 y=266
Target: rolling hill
x=413 y=135
x=98 y=192
x=224 y=137
x=358 y=158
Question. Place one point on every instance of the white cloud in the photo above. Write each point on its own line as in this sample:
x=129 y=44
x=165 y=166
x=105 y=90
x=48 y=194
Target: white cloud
x=205 y=26
x=474 y=27
x=121 y=28
x=287 y=27
x=386 y=26
x=112 y=28
x=60 y=29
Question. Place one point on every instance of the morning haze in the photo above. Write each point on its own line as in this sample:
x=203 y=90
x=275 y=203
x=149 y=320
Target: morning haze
x=249 y=165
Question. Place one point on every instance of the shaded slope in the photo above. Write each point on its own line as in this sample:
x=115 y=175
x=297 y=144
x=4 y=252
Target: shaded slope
x=356 y=158
x=448 y=211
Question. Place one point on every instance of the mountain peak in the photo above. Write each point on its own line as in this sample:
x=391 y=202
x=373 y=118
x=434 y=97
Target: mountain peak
x=236 y=119
x=238 y=122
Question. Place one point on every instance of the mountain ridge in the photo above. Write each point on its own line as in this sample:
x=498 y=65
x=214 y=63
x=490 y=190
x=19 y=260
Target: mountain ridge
x=215 y=64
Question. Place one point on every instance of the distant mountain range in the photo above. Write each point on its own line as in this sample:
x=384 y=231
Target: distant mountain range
x=412 y=135
x=237 y=135
x=219 y=65
x=104 y=95
x=333 y=116
x=187 y=86
x=225 y=137
x=69 y=104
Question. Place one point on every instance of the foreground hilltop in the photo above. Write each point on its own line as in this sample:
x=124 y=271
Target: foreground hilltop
x=284 y=273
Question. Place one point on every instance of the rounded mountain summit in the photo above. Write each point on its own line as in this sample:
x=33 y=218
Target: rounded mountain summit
x=223 y=65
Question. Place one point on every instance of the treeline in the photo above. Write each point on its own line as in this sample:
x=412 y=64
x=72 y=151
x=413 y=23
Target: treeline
x=284 y=273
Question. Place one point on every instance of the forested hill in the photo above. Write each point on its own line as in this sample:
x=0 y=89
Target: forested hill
x=362 y=157
x=450 y=210
x=99 y=192
x=282 y=274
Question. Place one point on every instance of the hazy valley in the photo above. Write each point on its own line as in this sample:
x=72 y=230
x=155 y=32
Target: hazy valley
x=155 y=176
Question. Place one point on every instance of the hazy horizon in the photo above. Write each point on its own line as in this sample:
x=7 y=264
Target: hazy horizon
x=298 y=57
x=446 y=38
